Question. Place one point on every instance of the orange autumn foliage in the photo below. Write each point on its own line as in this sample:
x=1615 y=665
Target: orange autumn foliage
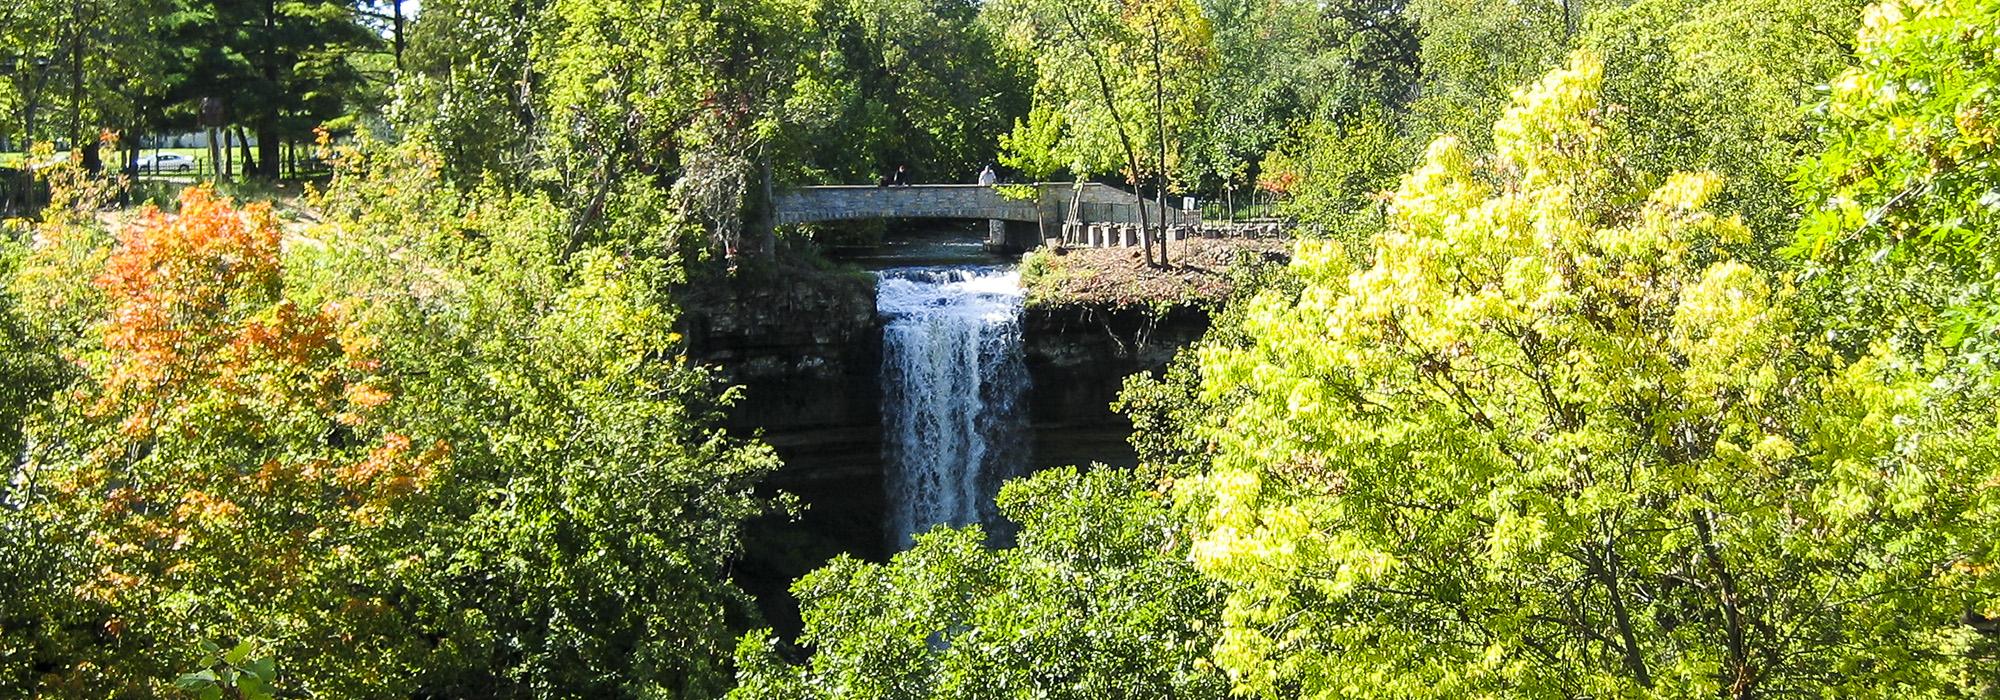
x=173 y=277
x=204 y=356
x=391 y=469
x=235 y=445
x=1281 y=182
x=196 y=306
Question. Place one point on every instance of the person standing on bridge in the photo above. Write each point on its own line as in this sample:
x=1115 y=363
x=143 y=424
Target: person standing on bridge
x=901 y=178
x=986 y=177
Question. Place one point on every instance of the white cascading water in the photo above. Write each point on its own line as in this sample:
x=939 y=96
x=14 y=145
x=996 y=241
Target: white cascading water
x=953 y=394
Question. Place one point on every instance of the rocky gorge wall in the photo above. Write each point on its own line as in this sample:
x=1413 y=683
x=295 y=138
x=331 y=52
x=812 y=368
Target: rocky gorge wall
x=1079 y=357
x=806 y=351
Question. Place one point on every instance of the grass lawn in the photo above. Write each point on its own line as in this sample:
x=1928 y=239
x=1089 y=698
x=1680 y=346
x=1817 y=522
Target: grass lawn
x=162 y=188
x=200 y=156
x=202 y=167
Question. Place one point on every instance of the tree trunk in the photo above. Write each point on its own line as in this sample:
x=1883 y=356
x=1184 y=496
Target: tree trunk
x=1160 y=126
x=1606 y=570
x=767 y=233
x=84 y=143
x=28 y=114
x=268 y=139
x=228 y=155
x=1740 y=673
x=214 y=155
x=270 y=152
x=1124 y=137
x=396 y=11
x=249 y=163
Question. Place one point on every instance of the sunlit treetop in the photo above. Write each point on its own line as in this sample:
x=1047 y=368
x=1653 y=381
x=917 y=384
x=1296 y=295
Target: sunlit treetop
x=1907 y=180
x=1552 y=441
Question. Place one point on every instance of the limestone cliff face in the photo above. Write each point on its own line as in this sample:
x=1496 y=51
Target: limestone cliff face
x=1079 y=357
x=806 y=350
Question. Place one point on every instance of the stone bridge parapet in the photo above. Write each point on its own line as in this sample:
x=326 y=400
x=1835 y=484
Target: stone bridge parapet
x=847 y=202
x=1015 y=223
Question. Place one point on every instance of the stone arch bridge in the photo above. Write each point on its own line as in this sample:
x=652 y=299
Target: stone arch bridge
x=1014 y=224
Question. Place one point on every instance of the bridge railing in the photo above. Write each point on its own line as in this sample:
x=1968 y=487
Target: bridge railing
x=1054 y=204
x=1242 y=206
x=1129 y=235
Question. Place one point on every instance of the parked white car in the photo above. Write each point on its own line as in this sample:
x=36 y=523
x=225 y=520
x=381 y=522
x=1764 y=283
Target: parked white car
x=166 y=162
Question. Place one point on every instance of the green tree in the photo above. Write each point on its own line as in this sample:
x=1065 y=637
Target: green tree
x=29 y=367
x=1902 y=203
x=280 y=68
x=1727 y=87
x=1553 y=442
x=596 y=507
x=1264 y=79
x=1371 y=57
x=30 y=371
x=466 y=89
x=1116 y=82
x=69 y=69
x=1718 y=86
x=1096 y=600
x=1475 y=53
x=592 y=101
x=1344 y=169
x=1289 y=74
x=889 y=82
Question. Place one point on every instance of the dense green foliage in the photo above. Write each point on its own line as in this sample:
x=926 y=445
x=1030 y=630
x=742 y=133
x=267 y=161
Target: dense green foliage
x=1904 y=195
x=27 y=369
x=1724 y=87
x=453 y=438
x=1096 y=599
x=67 y=68
x=891 y=82
x=276 y=69
x=1629 y=349
x=1554 y=441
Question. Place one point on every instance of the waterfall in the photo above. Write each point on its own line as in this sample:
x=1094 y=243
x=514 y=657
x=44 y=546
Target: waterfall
x=953 y=394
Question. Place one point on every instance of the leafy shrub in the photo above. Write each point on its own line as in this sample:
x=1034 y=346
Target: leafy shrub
x=1096 y=600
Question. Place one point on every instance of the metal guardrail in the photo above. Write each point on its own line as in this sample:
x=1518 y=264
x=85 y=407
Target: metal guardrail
x=1242 y=206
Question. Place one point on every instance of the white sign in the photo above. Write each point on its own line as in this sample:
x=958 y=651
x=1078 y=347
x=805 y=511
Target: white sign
x=1187 y=204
